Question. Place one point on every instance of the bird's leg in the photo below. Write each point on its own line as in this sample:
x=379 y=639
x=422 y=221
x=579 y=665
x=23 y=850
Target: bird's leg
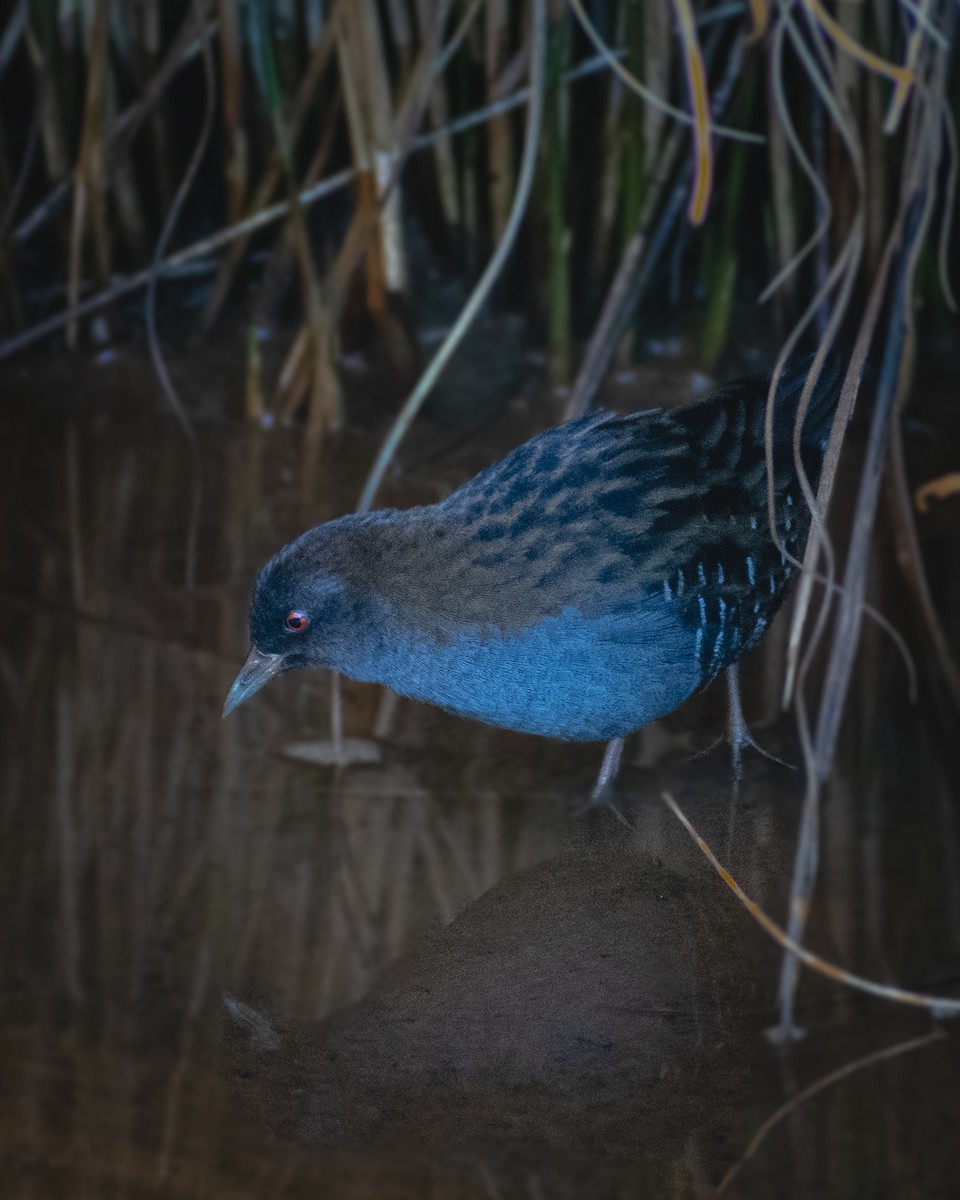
x=609 y=769
x=739 y=733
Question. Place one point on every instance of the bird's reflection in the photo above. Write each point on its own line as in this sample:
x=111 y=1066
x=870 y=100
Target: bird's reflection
x=593 y=1008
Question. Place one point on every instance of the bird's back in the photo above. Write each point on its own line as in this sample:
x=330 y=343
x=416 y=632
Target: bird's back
x=598 y=512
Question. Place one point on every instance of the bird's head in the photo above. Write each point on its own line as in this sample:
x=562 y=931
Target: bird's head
x=304 y=613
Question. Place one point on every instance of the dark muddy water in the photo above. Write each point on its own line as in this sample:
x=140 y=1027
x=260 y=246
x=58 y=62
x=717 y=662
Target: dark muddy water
x=227 y=971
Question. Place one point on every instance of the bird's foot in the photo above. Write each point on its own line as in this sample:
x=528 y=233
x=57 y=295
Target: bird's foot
x=609 y=770
x=738 y=734
x=737 y=740
x=602 y=792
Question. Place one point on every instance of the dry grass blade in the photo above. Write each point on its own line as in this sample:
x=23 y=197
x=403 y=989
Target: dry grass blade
x=16 y=25
x=461 y=31
x=939 y=1006
x=818 y=752
x=52 y=135
x=637 y=264
x=480 y=293
x=319 y=380
x=915 y=212
x=700 y=103
x=845 y=269
x=760 y=15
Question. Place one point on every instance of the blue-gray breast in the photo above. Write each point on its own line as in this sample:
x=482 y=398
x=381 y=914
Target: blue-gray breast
x=584 y=585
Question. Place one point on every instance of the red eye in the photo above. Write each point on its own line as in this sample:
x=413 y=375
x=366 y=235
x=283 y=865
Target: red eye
x=296 y=622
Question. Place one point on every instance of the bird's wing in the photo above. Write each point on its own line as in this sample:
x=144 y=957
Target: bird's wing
x=603 y=513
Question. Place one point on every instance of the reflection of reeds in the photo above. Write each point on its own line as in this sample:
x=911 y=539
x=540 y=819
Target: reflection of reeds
x=158 y=823
x=831 y=1079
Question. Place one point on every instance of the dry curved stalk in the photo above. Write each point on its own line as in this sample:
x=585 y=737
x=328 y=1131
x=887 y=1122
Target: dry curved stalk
x=845 y=268
x=845 y=271
x=902 y=76
x=637 y=86
x=700 y=103
x=834 y=97
x=782 y=109
x=915 y=212
x=941 y=487
x=902 y=89
x=761 y=19
x=818 y=751
x=940 y=1007
x=910 y=557
x=905 y=238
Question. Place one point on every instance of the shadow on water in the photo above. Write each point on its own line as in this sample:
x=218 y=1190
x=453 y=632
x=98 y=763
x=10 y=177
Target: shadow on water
x=442 y=977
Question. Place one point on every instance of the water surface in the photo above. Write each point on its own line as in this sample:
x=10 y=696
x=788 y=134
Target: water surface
x=227 y=971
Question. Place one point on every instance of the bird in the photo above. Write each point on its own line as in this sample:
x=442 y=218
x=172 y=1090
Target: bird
x=584 y=585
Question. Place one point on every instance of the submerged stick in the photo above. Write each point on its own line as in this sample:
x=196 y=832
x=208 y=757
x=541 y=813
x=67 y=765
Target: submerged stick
x=940 y=1007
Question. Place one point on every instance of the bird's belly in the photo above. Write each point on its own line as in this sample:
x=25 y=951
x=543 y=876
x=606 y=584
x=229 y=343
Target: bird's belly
x=565 y=677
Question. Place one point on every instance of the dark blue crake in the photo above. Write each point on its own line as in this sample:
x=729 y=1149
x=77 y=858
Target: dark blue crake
x=584 y=585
